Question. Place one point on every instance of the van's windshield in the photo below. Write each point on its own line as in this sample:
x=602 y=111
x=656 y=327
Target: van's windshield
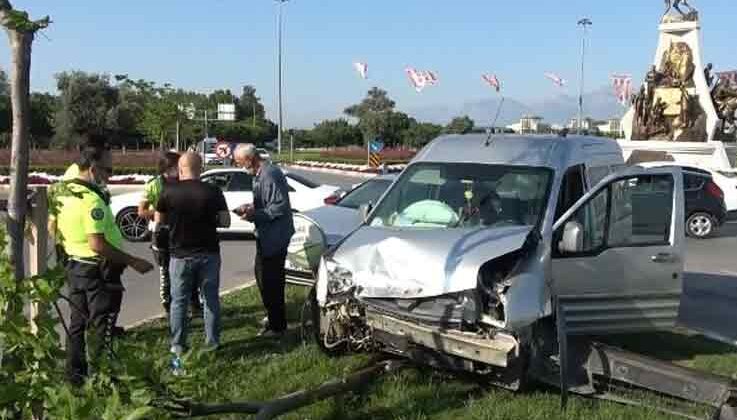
x=464 y=195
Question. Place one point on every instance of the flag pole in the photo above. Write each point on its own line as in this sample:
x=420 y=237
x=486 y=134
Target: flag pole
x=498 y=112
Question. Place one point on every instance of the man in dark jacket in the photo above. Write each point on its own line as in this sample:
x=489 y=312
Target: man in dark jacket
x=271 y=212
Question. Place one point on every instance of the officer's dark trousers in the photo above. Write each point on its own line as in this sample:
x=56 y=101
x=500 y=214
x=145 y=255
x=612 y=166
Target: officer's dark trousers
x=270 y=279
x=95 y=300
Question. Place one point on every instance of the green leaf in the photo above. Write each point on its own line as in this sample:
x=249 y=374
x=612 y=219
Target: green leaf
x=139 y=413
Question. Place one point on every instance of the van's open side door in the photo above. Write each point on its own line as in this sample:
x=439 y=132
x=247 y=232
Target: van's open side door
x=618 y=254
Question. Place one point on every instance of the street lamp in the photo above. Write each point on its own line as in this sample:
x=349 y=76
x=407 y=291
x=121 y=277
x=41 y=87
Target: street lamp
x=584 y=23
x=279 y=71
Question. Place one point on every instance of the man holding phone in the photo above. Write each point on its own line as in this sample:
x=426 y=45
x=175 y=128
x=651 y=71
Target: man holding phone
x=271 y=212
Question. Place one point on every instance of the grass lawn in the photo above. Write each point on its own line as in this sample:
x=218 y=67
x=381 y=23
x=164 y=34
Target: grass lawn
x=250 y=368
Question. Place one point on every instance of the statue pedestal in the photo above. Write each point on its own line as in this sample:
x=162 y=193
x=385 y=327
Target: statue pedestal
x=712 y=154
x=690 y=34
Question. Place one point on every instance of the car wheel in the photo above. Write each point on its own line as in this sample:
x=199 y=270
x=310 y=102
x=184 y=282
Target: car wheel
x=700 y=225
x=133 y=228
x=317 y=327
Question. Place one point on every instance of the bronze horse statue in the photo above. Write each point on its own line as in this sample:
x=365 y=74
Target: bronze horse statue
x=676 y=4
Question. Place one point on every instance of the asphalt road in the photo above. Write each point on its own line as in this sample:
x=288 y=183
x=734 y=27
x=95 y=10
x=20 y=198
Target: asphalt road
x=709 y=302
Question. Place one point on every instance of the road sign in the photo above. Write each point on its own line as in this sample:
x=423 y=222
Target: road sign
x=376 y=146
x=375 y=160
x=222 y=150
x=226 y=112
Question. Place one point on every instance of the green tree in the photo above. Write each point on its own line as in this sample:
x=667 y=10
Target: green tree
x=87 y=104
x=5 y=112
x=249 y=107
x=154 y=109
x=43 y=107
x=419 y=134
x=334 y=133
x=374 y=114
x=398 y=123
x=21 y=31
x=460 y=125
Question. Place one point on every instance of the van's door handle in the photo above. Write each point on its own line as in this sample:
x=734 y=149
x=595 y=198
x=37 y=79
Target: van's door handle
x=663 y=257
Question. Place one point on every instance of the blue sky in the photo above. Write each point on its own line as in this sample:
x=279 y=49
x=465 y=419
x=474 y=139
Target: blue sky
x=205 y=45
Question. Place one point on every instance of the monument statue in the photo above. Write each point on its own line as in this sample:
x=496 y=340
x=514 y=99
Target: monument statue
x=708 y=76
x=679 y=97
x=670 y=5
x=725 y=100
x=666 y=108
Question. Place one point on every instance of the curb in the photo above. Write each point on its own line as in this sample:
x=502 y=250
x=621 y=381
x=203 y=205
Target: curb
x=161 y=315
x=334 y=171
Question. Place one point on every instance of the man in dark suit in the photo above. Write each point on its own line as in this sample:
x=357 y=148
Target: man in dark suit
x=271 y=212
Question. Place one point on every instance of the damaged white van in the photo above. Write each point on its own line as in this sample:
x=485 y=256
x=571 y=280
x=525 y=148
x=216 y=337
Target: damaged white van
x=463 y=260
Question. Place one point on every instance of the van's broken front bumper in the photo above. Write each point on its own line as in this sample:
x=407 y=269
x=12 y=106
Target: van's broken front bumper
x=497 y=351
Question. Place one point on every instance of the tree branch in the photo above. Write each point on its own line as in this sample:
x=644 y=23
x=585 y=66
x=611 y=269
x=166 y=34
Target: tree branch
x=17 y=20
x=274 y=408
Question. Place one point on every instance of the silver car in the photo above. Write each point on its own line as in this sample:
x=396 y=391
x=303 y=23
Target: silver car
x=321 y=228
x=477 y=245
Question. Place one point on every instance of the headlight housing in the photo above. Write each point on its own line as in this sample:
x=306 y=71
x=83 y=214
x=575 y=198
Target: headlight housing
x=339 y=279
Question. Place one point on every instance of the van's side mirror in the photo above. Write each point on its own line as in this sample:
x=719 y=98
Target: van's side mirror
x=572 y=241
x=365 y=210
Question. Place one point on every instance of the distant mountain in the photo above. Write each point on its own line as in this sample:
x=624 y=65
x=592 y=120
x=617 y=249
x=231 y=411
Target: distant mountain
x=481 y=111
x=599 y=104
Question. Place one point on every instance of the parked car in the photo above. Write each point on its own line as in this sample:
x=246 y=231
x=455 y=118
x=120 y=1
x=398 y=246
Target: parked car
x=706 y=208
x=332 y=222
x=237 y=188
x=467 y=257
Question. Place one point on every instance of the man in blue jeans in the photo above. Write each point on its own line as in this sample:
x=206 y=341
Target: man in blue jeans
x=193 y=210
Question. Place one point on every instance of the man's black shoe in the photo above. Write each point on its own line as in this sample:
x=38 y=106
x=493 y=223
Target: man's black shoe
x=269 y=333
x=118 y=331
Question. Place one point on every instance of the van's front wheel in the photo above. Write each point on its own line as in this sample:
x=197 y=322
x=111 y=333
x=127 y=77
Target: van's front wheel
x=316 y=324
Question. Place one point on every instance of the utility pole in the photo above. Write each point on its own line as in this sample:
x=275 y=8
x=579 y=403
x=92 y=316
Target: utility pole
x=584 y=23
x=177 y=139
x=254 y=114
x=279 y=71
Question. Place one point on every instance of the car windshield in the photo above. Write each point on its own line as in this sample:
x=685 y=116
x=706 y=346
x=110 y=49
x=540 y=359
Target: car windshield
x=464 y=195
x=368 y=192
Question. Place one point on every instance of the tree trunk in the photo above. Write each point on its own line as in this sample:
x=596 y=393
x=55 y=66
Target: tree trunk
x=20 y=84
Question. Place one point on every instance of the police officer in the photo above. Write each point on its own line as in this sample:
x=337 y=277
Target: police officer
x=95 y=260
x=168 y=173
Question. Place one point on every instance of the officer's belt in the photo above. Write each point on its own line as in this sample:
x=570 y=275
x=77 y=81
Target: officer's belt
x=88 y=261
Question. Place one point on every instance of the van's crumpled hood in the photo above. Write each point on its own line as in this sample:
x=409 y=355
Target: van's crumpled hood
x=423 y=263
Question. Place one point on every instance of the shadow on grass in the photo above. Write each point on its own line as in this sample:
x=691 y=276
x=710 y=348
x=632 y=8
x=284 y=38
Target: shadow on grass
x=671 y=346
x=240 y=321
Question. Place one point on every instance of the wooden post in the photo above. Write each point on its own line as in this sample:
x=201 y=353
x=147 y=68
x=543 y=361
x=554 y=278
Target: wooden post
x=39 y=254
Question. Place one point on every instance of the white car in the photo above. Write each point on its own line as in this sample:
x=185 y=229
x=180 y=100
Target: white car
x=236 y=185
x=725 y=179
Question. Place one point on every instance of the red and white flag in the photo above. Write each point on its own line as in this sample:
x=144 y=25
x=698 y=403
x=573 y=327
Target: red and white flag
x=622 y=84
x=729 y=77
x=492 y=81
x=362 y=69
x=556 y=79
x=420 y=79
